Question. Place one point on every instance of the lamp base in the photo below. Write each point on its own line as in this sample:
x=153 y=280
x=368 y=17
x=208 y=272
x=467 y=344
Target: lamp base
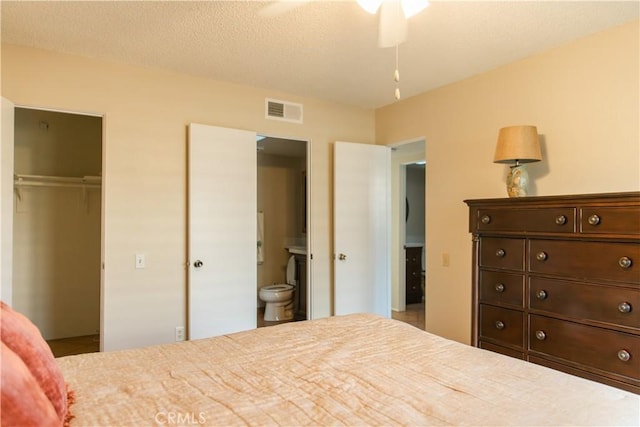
x=517 y=181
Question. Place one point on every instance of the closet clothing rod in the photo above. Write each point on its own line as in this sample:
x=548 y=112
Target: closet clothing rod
x=57 y=181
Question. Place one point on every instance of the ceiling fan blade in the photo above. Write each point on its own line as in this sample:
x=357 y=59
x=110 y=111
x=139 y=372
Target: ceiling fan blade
x=370 y=6
x=393 y=25
x=276 y=8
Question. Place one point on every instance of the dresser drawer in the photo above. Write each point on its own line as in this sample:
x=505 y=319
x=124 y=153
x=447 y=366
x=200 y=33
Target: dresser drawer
x=586 y=260
x=551 y=220
x=414 y=256
x=502 y=253
x=502 y=350
x=501 y=325
x=502 y=288
x=602 y=349
x=610 y=220
x=616 y=306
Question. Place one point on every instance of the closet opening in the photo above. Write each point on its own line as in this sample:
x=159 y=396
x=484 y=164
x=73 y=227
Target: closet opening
x=57 y=226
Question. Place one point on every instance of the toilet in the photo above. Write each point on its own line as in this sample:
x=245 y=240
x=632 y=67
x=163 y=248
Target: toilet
x=279 y=297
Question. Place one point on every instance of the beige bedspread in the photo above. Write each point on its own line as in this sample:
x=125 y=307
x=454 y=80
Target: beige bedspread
x=349 y=370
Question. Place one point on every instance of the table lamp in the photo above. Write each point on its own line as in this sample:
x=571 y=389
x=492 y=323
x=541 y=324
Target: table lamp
x=518 y=145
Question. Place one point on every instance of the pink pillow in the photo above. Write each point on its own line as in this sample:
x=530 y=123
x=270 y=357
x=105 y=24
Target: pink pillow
x=24 y=339
x=23 y=401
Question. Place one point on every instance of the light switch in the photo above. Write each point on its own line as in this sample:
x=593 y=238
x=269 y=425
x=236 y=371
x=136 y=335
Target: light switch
x=140 y=261
x=445 y=259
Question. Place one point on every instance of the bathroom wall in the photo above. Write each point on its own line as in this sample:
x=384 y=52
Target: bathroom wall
x=280 y=198
x=415 y=195
x=56 y=239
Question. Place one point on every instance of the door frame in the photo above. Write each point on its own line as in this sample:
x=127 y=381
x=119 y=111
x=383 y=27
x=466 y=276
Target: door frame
x=103 y=198
x=309 y=190
x=7 y=200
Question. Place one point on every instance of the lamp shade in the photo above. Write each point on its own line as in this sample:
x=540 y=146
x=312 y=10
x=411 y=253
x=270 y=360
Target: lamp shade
x=518 y=144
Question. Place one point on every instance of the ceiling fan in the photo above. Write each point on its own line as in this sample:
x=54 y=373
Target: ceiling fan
x=393 y=26
x=394 y=15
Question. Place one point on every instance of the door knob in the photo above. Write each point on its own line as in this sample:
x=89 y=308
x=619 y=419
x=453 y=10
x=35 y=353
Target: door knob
x=342 y=257
x=197 y=264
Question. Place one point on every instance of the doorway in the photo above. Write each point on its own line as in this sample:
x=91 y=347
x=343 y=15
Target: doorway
x=409 y=240
x=282 y=201
x=414 y=246
x=57 y=225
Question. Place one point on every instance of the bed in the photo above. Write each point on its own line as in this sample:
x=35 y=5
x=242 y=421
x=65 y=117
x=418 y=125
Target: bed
x=357 y=369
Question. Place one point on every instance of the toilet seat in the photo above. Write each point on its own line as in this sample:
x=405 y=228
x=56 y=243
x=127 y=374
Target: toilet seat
x=277 y=287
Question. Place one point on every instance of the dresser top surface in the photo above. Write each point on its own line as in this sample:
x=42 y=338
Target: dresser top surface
x=632 y=197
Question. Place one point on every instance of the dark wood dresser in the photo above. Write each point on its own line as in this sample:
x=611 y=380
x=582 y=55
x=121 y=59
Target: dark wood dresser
x=413 y=274
x=556 y=281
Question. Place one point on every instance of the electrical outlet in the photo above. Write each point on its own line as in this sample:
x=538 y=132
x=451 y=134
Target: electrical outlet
x=179 y=333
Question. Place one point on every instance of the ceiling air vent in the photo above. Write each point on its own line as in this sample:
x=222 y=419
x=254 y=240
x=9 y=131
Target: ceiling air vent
x=281 y=110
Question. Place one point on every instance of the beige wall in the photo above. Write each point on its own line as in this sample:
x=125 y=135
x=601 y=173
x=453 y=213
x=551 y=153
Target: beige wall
x=146 y=114
x=56 y=260
x=584 y=99
x=57 y=144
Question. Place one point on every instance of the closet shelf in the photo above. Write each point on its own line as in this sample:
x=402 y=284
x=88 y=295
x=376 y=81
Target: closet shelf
x=57 y=181
x=83 y=182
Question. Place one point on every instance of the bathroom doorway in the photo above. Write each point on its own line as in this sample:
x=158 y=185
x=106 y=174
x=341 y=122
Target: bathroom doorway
x=283 y=218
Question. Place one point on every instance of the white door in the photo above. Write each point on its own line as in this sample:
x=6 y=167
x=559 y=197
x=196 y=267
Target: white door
x=222 y=230
x=362 y=229
x=6 y=201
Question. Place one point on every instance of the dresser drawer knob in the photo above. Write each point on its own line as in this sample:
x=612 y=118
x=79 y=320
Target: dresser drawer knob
x=499 y=324
x=500 y=288
x=594 y=220
x=625 y=262
x=500 y=253
x=541 y=256
x=624 y=355
x=540 y=335
x=624 y=307
x=561 y=220
x=541 y=294
x=486 y=219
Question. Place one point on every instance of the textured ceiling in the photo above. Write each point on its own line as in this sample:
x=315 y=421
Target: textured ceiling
x=321 y=49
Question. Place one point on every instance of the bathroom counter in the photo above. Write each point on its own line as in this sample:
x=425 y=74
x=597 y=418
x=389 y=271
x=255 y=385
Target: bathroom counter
x=297 y=250
x=413 y=245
